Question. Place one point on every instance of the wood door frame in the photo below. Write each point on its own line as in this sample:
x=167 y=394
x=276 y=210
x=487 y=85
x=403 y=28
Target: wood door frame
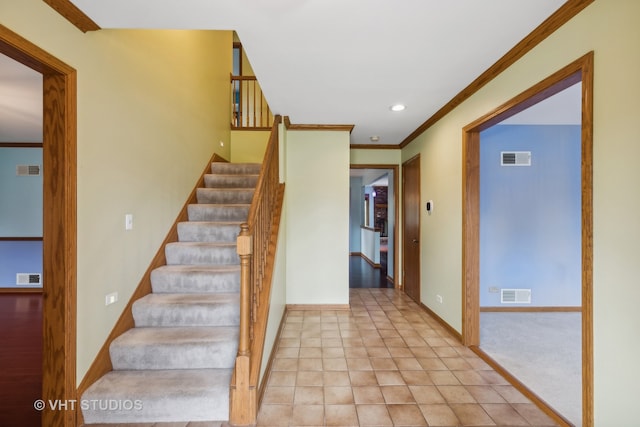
x=59 y=224
x=403 y=287
x=395 y=169
x=580 y=70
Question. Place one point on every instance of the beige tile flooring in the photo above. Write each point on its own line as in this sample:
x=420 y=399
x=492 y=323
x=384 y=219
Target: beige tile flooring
x=164 y=424
x=384 y=362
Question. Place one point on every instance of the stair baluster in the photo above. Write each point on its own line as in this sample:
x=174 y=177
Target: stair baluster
x=256 y=248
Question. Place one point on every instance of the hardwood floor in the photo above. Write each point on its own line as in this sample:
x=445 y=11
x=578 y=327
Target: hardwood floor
x=20 y=359
x=363 y=275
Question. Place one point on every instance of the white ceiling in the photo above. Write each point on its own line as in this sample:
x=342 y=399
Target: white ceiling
x=563 y=108
x=377 y=177
x=346 y=62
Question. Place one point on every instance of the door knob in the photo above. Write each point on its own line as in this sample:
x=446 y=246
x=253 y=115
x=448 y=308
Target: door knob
x=415 y=240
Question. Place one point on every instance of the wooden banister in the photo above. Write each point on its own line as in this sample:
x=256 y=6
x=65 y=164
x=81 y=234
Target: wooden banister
x=256 y=248
x=249 y=108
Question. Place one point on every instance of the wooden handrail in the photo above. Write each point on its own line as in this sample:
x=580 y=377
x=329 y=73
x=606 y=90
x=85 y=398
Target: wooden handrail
x=255 y=246
x=249 y=108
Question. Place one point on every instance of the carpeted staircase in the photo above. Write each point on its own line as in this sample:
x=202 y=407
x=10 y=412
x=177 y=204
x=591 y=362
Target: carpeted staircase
x=176 y=363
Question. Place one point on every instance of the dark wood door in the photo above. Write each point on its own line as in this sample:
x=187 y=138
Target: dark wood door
x=411 y=227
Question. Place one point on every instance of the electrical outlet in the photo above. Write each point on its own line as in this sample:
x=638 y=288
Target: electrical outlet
x=111 y=298
x=439 y=299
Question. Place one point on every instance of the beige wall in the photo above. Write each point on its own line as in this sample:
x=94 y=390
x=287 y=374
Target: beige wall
x=278 y=299
x=317 y=209
x=145 y=116
x=375 y=157
x=152 y=110
x=609 y=27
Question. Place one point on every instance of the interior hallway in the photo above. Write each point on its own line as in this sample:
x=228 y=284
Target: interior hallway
x=364 y=275
x=384 y=362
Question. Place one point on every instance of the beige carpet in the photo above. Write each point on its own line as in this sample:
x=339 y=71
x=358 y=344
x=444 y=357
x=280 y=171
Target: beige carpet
x=543 y=350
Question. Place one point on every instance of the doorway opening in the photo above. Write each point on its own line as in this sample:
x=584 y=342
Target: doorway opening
x=580 y=71
x=411 y=269
x=20 y=242
x=58 y=223
x=373 y=233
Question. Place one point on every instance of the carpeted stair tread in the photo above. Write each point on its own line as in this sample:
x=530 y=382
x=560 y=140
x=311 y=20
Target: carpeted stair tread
x=230 y=181
x=214 y=309
x=218 y=212
x=208 y=231
x=175 y=348
x=235 y=168
x=195 y=278
x=177 y=361
x=201 y=253
x=224 y=195
x=159 y=395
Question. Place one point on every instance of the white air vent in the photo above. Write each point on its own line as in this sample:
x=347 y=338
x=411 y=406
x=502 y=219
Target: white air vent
x=28 y=279
x=515 y=296
x=515 y=158
x=28 y=170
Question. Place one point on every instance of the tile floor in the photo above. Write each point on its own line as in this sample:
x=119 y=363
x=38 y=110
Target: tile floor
x=165 y=424
x=384 y=362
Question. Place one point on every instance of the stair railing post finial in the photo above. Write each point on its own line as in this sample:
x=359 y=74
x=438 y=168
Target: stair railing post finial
x=245 y=251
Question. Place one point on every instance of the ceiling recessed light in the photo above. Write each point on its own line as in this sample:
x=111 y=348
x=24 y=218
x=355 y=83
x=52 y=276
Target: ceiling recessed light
x=397 y=107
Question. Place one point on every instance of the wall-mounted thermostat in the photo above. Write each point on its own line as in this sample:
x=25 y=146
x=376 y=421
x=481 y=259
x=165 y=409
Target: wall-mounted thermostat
x=429 y=206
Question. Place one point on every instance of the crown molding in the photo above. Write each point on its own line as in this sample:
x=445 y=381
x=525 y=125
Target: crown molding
x=290 y=126
x=74 y=15
x=561 y=16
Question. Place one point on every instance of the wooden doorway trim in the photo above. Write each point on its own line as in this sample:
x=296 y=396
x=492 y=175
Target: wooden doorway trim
x=59 y=223
x=580 y=70
x=396 y=210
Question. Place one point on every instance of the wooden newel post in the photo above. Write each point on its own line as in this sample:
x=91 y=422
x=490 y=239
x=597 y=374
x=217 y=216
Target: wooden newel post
x=245 y=251
x=242 y=408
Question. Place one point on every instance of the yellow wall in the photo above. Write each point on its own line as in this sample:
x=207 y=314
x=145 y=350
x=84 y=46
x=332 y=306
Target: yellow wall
x=247 y=146
x=608 y=27
x=152 y=108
